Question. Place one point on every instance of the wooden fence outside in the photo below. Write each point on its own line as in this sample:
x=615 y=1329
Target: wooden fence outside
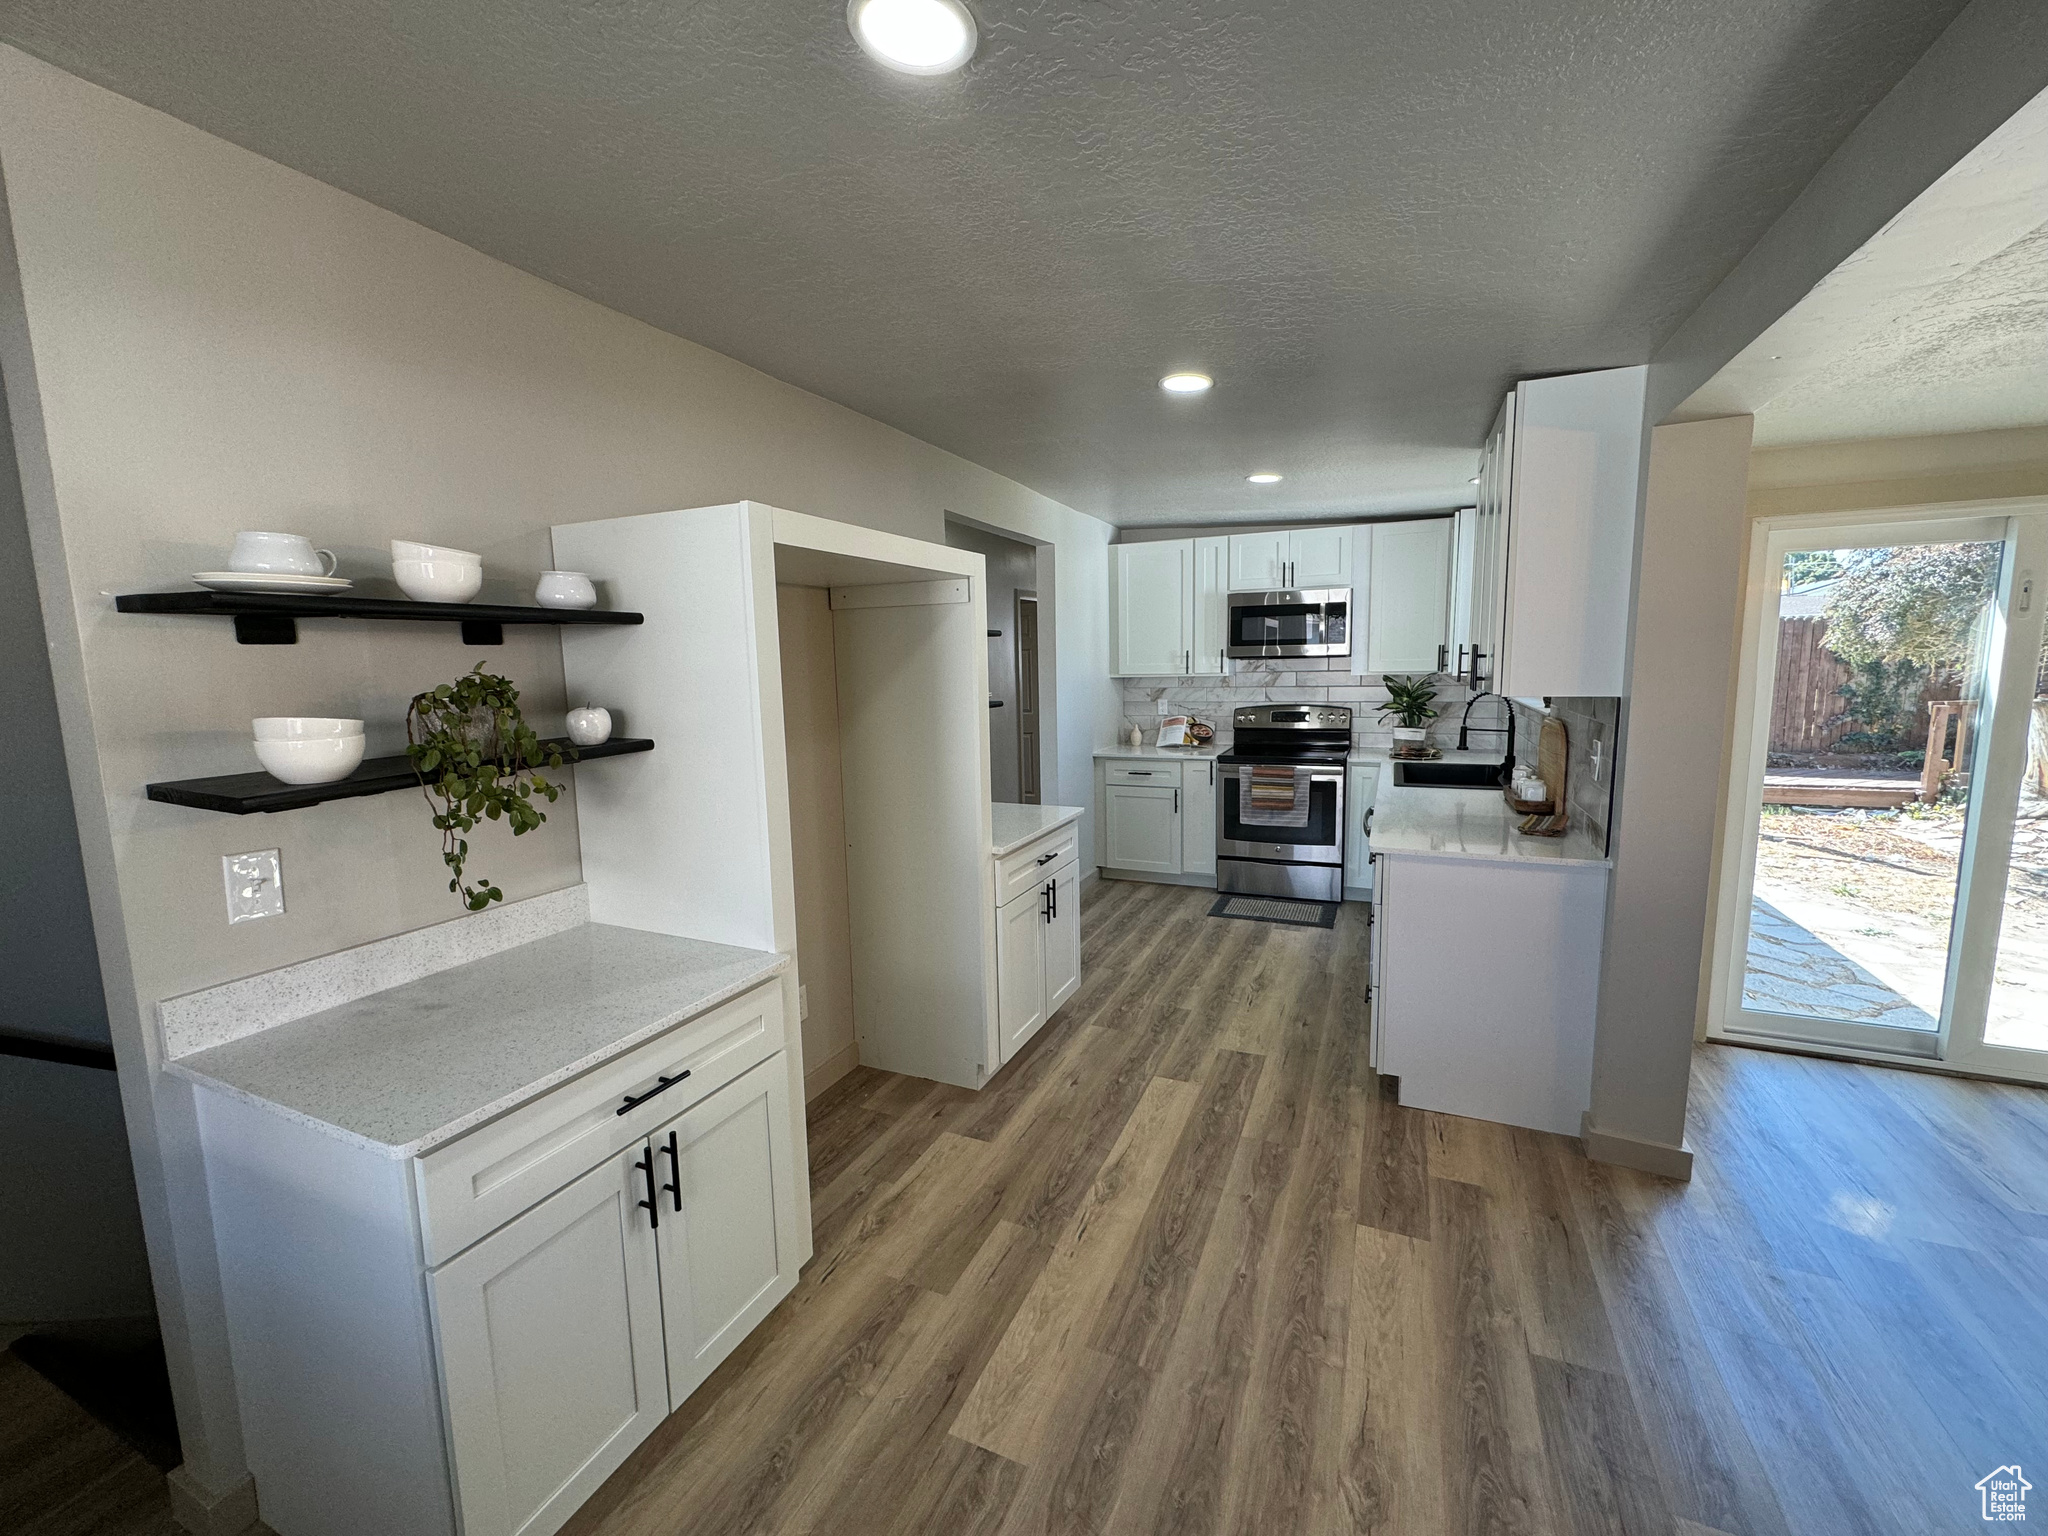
x=1806 y=700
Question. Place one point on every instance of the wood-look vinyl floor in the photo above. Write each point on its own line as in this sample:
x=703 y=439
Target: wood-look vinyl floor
x=1184 y=1268
x=63 y=1473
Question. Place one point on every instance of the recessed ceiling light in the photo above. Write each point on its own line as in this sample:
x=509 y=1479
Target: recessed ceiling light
x=1264 y=477
x=918 y=37
x=1185 y=383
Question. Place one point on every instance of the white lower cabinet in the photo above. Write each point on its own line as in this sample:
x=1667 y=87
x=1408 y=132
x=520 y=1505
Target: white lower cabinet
x=468 y=1341
x=551 y=1353
x=1143 y=828
x=727 y=1235
x=1198 y=817
x=1363 y=785
x=1038 y=949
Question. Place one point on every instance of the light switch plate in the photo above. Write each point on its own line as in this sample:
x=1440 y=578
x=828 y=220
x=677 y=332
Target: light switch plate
x=255 y=883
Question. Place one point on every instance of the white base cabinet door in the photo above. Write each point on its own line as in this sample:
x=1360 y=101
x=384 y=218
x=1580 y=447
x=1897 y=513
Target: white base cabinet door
x=727 y=1231
x=551 y=1353
x=1143 y=830
x=1363 y=783
x=1063 y=938
x=1020 y=969
x=1198 y=818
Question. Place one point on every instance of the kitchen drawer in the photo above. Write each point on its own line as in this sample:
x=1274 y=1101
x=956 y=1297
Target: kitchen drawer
x=1157 y=774
x=1032 y=865
x=478 y=1182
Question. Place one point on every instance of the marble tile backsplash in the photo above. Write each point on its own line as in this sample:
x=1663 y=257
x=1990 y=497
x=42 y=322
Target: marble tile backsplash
x=1587 y=721
x=1307 y=680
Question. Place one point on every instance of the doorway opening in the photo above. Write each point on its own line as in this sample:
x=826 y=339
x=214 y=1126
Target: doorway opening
x=1018 y=679
x=1885 y=887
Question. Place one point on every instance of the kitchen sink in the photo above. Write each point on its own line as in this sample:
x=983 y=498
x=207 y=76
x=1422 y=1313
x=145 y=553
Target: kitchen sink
x=1449 y=775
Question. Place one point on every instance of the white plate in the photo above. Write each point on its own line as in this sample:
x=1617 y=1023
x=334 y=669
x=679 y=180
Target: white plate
x=279 y=584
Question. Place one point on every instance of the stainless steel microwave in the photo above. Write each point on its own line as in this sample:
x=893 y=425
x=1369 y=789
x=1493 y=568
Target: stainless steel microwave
x=1314 y=621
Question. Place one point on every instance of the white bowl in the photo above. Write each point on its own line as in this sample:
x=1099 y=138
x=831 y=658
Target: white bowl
x=438 y=581
x=565 y=589
x=303 y=728
x=321 y=760
x=405 y=549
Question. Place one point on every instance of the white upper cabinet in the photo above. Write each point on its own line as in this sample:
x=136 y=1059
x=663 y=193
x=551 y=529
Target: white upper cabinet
x=1319 y=557
x=1408 y=604
x=1303 y=557
x=1211 y=605
x=1258 y=561
x=1553 y=545
x=1152 y=601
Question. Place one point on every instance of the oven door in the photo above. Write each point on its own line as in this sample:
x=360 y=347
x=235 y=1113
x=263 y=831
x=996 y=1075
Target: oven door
x=1315 y=622
x=1320 y=842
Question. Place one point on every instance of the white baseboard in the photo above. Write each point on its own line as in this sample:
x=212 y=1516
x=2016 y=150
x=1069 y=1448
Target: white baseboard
x=1658 y=1157
x=205 y=1513
x=830 y=1070
x=1146 y=877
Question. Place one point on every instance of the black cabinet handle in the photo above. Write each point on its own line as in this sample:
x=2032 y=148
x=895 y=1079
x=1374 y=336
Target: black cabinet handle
x=652 y=1204
x=1443 y=657
x=661 y=1085
x=1055 y=888
x=1046 y=858
x=675 y=1172
x=1045 y=903
x=1176 y=802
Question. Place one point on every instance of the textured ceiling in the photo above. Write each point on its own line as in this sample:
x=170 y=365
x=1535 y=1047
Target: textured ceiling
x=1939 y=324
x=1363 y=218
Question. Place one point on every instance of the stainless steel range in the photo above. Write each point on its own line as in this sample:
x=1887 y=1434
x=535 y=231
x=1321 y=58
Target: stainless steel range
x=1280 y=802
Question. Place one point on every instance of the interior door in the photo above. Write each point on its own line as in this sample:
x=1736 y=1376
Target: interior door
x=550 y=1333
x=1154 y=593
x=1889 y=889
x=1319 y=557
x=1143 y=828
x=1062 y=936
x=1020 y=969
x=728 y=1237
x=1212 y=605
x=1258 y=562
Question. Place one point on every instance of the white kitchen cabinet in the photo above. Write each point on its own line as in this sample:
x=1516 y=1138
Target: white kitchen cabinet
x=1198 y=817
x=1364 y=781
x=1258 y=561
x=1038 y=937
x=1143 y=826
x=1408 y=606
x=1553 y=536
x=471 y=1338
x=1211 y=604
x=728 y=1239
x=1320 y=557
x=551 y=1352
x=1266 y=560
x=1510 y=1039
x=1151 y=608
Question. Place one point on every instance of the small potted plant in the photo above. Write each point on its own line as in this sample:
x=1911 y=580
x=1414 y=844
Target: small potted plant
x=475 y=757
x=1409 y=705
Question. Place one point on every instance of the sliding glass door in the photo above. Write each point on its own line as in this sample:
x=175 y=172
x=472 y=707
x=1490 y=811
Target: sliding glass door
x=1885 y=877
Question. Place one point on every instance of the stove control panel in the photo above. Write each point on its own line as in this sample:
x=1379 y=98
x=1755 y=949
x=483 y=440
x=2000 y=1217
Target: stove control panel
x=1317 y=717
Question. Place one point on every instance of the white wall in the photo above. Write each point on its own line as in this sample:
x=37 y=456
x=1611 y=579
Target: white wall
x=198 y=340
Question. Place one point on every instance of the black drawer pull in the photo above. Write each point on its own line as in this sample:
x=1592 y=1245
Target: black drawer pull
x=675 y=1171
x=661 y=1085
x=1046 y=858
x=652 y=1204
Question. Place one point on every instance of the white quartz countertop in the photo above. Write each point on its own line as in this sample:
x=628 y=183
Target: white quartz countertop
x=1466 y=824
x=405 y=1069
x=1016 y=825
x=1207 y=749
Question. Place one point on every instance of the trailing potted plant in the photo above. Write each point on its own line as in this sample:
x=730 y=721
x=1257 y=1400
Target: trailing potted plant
x=1409 y=701
x=476 y=759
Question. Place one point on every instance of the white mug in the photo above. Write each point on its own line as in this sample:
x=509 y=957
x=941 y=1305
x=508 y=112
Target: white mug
x=280 y=554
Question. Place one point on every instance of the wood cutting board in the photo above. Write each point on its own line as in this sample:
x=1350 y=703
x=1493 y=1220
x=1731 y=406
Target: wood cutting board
x=1553 y=752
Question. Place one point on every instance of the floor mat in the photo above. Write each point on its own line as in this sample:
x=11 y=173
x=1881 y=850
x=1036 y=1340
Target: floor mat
x=1277 y=909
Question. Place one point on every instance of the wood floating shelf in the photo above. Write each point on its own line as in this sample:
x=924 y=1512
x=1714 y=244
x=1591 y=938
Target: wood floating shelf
x=272 y=619
x=243 y=794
